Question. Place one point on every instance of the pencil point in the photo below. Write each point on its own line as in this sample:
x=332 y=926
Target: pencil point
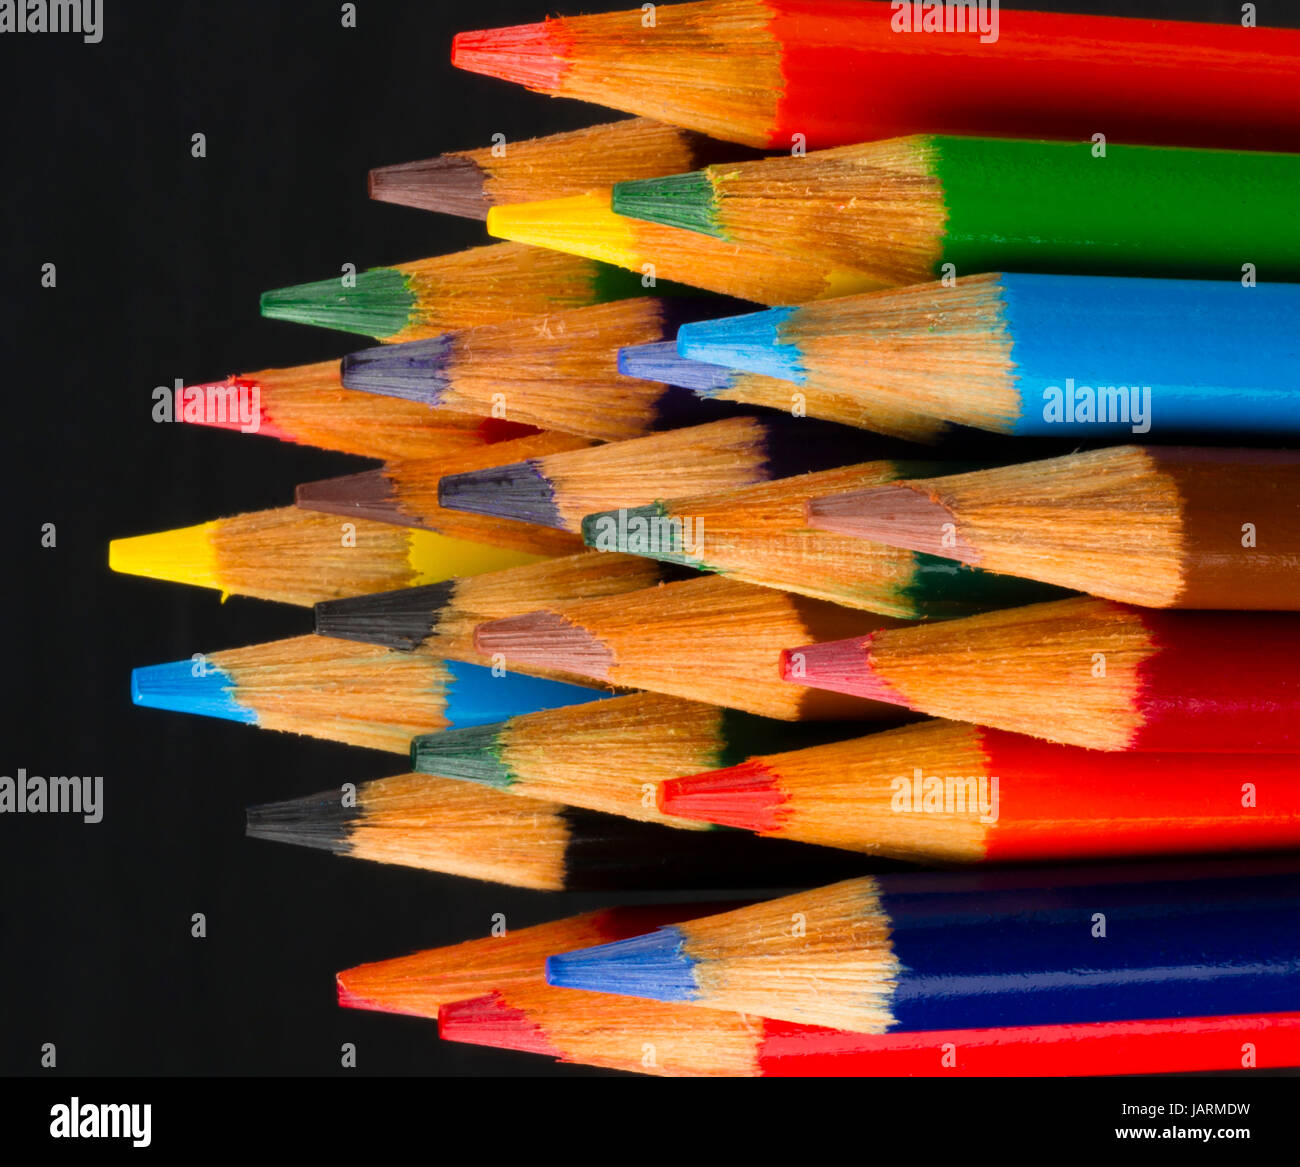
x=481 y=696
x=367 y=495
x=677 y=200
x=747 y=796
x=545 y=640
x=319 y=821
x=378 y=303
x=660 y=362
x=185 y=555
x=842 y=666
x=491 y=1021
x=450 y=185
x=752 y=342
x=414 y=371
x=189 y=686
x=648 y=531
x=655 y=966
x=579 y=225
x=527 y=54
x=473 y=754
x=402 y=619
x=898 y=515
x=349 y=998
x=519 y=490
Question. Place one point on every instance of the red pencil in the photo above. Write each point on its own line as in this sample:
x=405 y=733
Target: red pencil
x=654 y=1037
x=1085 y=672
x=830 y=72
x=945 y=791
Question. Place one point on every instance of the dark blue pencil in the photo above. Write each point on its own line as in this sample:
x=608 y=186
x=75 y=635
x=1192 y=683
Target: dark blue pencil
x=890 y=953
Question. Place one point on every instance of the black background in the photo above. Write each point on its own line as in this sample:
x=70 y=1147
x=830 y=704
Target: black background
x=160 y=259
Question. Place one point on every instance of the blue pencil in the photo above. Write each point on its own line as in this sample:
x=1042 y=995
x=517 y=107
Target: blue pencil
x=340 y=690
x=893 y=953
x=661 y=361
x=1040 y=355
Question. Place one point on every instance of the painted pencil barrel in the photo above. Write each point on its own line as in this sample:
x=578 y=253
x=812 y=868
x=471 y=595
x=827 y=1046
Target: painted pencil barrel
x=1136 y=210
x=1092 y=355
x=1191 y=950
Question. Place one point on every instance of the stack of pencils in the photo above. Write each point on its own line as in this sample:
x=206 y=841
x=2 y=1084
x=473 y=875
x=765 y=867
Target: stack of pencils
x=821 y=486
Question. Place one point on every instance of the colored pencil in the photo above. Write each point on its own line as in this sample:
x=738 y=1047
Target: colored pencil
x=1085 y=672
x=872 y=956
x=945 y=792
x=758 y=534
x=586 y=226
x=769 y=72
x=656 y=1037
x=296 y=557
x=1017 y=353
x=661 y=362
x=439 y=620
x=308 y=405
x=711 y=640
x=418 y=984
x=518 y=1011
x=469 y=182
x=359 y=694
x=560 y=490
x=405 y=494
x=558 y=371
x=425 y=297
x=926 y=207
x=462 y=829
x=612 y=756
x=1165 y=527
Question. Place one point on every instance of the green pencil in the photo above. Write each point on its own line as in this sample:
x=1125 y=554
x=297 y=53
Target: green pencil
x=930 y=206
x=483 y=285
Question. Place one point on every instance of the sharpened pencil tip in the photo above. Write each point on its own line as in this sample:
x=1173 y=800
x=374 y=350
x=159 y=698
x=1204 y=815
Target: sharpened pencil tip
x=319 y=821
x=367 y=495
x=189 y=686
x=491 y=1021
x=753 y=342
x=660 y=362
x=545 y=640
x=449 y=185
x=684 y=201
x=841 y=666
x=483 y=696
x=527 y=54
x=374 y=303
x=348 y=998
x=473 y=753
x=579 y=223
x=520 y=490
x=747 y=796
x=402 y=619
x=414 y=371
x=655 y=966
x=185 y=555
x=898 y=515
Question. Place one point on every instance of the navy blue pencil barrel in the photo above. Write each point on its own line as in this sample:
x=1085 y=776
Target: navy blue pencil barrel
x=891 y=953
